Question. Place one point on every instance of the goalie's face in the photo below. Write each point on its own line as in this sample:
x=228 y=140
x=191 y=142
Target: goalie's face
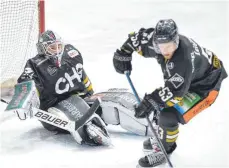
x=54 y=48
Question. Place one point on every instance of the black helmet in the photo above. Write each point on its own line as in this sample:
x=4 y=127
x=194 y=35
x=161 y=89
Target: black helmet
x=45 y=39
x=166 y=30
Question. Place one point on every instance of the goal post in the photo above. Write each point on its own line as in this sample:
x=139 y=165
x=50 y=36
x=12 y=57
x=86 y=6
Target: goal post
x=21 y=22
x=41 y=15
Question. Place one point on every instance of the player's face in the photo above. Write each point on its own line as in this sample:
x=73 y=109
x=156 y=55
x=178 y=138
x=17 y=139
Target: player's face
x=55 y=48
x=167 y=49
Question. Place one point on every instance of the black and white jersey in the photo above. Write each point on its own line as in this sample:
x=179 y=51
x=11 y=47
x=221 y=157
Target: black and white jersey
x=191 y=68
x=55 y=83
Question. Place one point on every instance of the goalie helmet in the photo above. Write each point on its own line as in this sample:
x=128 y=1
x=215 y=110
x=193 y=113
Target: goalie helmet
x=165 y=31
x=49 y=44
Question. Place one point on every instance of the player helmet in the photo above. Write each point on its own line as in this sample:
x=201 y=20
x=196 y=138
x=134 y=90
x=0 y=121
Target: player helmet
x=49 y=44
x=165 y=31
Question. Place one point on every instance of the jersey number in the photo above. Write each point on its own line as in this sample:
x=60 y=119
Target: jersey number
x=134 y=40
x=165 y=94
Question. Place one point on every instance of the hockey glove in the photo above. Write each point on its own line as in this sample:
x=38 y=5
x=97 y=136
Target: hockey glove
x=147 y=105
x=122 y=62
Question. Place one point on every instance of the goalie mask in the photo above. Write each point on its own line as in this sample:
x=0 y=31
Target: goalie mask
x=50 y=44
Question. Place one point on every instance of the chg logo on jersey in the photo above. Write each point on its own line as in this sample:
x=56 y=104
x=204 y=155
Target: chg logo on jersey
x=69 y=80
x=176 y=80
x=73 y=53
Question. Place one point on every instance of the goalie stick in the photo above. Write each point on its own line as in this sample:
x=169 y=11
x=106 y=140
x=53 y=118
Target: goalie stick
x=57 y=120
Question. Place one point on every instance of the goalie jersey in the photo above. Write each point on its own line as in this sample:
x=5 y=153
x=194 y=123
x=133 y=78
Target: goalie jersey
x=57 y=82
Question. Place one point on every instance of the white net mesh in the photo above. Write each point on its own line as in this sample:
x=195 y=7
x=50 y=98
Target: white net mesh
x=19 y=27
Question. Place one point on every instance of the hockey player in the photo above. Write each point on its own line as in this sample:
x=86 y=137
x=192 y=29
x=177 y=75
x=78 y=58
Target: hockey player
x=61 y=83
x=192 y=75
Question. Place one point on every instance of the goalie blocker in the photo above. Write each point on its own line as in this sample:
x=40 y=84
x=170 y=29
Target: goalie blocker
x=72 y=115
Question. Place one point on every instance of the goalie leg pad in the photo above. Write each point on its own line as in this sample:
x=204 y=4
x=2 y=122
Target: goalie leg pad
x=115 y=114
x=87 y=122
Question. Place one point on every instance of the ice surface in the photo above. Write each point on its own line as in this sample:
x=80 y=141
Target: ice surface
x=97 y=28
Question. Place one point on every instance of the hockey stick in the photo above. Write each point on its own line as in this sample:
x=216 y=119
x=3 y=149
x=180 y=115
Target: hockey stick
x=46 y=117
x=149 y=122
x=4 y=101
x=58 y=121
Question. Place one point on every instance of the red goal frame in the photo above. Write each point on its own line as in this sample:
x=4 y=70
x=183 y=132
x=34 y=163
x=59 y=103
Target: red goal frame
x=41 y=15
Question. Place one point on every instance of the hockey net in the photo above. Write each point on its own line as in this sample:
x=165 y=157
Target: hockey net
x=21 y=21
